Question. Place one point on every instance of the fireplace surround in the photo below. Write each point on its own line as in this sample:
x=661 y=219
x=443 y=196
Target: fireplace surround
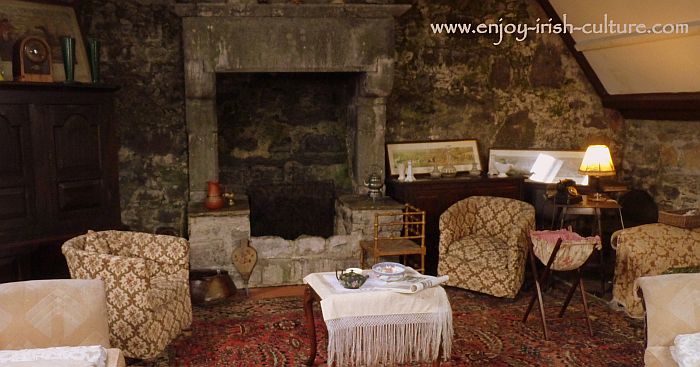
x=280 y=38
x=284 y=38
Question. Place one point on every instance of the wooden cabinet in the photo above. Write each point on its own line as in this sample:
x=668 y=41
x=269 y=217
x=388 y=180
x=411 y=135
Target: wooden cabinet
x=436 y=195
x=58 y=169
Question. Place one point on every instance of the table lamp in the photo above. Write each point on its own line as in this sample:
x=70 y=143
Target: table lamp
x=597 y=162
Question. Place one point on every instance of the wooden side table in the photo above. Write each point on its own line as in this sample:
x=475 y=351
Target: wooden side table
x=595 y=208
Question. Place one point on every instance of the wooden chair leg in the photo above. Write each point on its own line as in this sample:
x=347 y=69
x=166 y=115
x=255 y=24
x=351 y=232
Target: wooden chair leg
x=537 y=296
x=585 y=303
x=570 y=294
x=363 y=261
x=534 y=295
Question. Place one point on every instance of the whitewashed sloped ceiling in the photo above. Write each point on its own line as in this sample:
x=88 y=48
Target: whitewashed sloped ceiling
x=638 y=63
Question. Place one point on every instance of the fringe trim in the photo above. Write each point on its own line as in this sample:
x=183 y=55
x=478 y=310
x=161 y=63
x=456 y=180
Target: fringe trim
x=390 y=339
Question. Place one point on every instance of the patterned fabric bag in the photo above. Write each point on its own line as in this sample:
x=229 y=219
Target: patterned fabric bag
x=574 y=250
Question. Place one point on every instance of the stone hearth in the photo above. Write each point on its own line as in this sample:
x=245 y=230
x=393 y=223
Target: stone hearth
x=214 y=235
x=283 y=38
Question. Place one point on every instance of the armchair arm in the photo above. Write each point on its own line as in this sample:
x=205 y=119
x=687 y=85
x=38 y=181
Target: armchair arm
x=455 y=223
x=518 y=234
x=672 y=305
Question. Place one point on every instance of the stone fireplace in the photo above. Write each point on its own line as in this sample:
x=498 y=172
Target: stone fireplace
x=353 y=42
x=283 y=140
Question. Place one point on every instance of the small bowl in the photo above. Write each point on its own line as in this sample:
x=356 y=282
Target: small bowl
x=389 y=271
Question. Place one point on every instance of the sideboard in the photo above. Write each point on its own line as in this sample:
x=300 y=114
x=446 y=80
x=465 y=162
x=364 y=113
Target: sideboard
x=436 y=195
x=58 y=172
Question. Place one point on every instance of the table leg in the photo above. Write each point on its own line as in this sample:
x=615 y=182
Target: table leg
x=563 y=215
x=310 y=325
x=622 y=223
x=602 y=251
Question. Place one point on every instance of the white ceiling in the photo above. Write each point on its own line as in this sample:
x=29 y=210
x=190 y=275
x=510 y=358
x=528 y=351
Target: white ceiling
x=639 y=63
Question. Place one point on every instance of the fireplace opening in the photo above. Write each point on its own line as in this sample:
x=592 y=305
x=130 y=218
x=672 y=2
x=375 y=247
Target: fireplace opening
x=292 y=210
x=284 y=141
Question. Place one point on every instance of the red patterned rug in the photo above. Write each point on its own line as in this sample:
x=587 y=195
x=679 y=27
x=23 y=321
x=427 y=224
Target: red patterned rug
x=488 y=332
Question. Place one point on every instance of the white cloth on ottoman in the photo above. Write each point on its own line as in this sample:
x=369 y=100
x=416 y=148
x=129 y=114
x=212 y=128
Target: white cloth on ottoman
x=366 y=327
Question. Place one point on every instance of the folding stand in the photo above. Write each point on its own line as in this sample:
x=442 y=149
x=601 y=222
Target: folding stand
x=542 y=279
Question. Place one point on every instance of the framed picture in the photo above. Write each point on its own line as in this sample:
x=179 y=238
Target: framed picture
x=462 y=154
x=538 y=165
x=19 y=19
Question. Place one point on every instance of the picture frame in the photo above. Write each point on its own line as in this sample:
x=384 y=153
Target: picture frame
x=48 y=20
x=462 y=154
x=560 y=164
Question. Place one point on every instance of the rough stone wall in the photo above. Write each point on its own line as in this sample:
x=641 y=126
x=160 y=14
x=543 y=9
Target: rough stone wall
x=663 y=157
x=283 y=128
x=515 y=95
x=142 y=54
x=528 y=94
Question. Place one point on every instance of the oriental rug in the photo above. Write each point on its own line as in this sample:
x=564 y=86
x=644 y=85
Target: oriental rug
x=488 y=332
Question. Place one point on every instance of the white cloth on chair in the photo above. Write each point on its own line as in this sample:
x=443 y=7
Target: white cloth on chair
x=368 y=327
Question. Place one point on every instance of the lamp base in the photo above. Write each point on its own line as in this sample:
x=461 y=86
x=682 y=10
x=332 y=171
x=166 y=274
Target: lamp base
x=597 y=197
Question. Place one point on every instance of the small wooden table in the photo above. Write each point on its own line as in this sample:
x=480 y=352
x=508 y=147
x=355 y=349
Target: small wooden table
x=590 y=207
x=311 y=296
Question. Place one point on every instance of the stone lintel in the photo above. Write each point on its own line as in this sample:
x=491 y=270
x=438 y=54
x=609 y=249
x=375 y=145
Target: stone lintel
x=291 y=10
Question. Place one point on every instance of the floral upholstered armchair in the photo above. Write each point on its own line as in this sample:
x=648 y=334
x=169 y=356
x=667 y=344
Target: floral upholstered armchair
x=649 y=249
x=146 y=280
x=483 y=244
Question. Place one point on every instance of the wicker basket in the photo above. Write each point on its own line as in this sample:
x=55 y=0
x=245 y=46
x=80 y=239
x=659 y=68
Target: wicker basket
x=677 y=219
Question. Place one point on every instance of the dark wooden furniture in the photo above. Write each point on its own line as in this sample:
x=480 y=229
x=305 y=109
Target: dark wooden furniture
x=58 y=172
x=436 y=195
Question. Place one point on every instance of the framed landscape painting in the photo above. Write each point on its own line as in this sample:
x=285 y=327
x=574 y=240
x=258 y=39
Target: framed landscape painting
x=462 y=154
x=19 y=19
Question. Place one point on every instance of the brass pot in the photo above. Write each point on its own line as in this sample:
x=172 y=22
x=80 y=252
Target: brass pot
x=208 y=286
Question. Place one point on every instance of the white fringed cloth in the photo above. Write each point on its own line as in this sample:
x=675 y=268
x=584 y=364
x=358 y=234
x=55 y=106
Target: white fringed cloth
x=366 y=328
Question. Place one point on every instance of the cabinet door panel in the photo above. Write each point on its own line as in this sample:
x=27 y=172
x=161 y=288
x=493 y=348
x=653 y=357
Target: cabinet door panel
x=77 y=144
x=84 y=194
x=77 y=137
x=17 y=193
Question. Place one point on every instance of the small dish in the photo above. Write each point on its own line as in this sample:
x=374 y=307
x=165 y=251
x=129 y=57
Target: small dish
x=389 y=271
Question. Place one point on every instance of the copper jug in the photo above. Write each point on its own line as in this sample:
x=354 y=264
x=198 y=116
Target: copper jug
x=214 y=199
